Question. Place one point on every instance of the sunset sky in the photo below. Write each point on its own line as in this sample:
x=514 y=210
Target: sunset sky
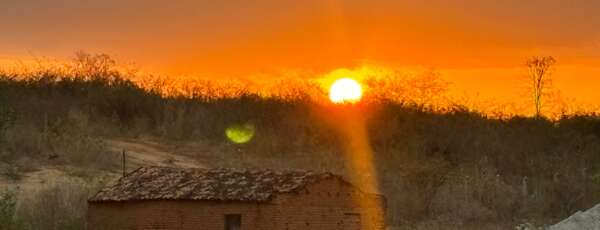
x=479 y=45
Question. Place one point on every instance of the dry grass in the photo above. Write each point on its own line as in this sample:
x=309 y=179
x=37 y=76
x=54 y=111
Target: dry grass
x=58 y=204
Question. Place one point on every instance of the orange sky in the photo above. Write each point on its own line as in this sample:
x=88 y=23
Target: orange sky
x=479 y=45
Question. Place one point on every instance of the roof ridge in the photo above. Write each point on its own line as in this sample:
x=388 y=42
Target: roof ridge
x=232 y=169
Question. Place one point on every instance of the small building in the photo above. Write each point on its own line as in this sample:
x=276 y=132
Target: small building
x=217 y=199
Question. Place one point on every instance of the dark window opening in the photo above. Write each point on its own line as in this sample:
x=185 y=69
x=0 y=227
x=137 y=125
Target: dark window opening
x=351 y=221
x=233 y=222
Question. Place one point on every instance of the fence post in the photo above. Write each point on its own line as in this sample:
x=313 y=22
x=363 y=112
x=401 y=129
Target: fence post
x=124 y=163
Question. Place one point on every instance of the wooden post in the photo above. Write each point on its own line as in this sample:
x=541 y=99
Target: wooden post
x=524 y=187
x=124 y=163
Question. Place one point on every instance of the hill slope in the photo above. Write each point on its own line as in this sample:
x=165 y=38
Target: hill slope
x=63 y=137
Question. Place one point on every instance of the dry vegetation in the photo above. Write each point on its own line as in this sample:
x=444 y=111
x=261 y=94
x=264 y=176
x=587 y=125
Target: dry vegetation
x=455 y=169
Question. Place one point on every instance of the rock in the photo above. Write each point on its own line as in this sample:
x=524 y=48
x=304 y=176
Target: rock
x=589 y=219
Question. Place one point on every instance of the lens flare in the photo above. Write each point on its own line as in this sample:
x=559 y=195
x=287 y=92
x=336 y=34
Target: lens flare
x=350 y=124
x=240 y=134
x=345 y=90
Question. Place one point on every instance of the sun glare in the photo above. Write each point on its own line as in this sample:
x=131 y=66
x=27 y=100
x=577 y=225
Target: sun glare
x=345 y=90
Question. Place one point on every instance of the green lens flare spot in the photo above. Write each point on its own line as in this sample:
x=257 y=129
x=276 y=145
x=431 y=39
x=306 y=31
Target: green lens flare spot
x=240 y=134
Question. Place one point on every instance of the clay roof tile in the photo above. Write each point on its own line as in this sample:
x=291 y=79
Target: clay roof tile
x=155 y=183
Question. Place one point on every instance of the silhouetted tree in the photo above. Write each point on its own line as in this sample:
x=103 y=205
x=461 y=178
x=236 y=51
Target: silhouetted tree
x=94 y=66
x=538 y=73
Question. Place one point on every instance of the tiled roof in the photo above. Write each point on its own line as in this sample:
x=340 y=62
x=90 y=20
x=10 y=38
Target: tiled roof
x=163 y=183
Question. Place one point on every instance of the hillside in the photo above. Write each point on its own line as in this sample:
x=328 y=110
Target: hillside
x=62 y=137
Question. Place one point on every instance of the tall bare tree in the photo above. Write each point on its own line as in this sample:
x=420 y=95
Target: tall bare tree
x=539 y=70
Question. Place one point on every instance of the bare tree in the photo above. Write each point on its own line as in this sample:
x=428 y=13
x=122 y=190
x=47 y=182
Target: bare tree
x=94 y=66
x=539 y=70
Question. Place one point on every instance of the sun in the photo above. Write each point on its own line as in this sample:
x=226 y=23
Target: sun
x=345 y=90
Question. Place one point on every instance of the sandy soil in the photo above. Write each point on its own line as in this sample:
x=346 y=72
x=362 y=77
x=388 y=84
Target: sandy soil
x=142 y=152
x=138 y=153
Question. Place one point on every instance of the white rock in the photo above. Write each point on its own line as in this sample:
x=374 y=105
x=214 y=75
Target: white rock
x=589 y=219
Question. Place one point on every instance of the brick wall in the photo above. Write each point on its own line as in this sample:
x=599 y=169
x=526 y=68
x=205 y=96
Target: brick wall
x=330 y=205
x=169 y=215
x=327 y=205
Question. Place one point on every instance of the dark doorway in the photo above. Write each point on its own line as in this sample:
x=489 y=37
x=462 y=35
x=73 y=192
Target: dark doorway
x=233 y=222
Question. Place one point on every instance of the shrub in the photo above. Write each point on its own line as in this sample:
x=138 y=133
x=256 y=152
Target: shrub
x=57 y=205
x=7 y=117
x=8 y=207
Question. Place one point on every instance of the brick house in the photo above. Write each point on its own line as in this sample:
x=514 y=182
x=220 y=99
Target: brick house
x=217 y=199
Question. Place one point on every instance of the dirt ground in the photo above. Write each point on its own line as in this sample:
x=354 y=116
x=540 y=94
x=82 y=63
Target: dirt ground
x=138 y=153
